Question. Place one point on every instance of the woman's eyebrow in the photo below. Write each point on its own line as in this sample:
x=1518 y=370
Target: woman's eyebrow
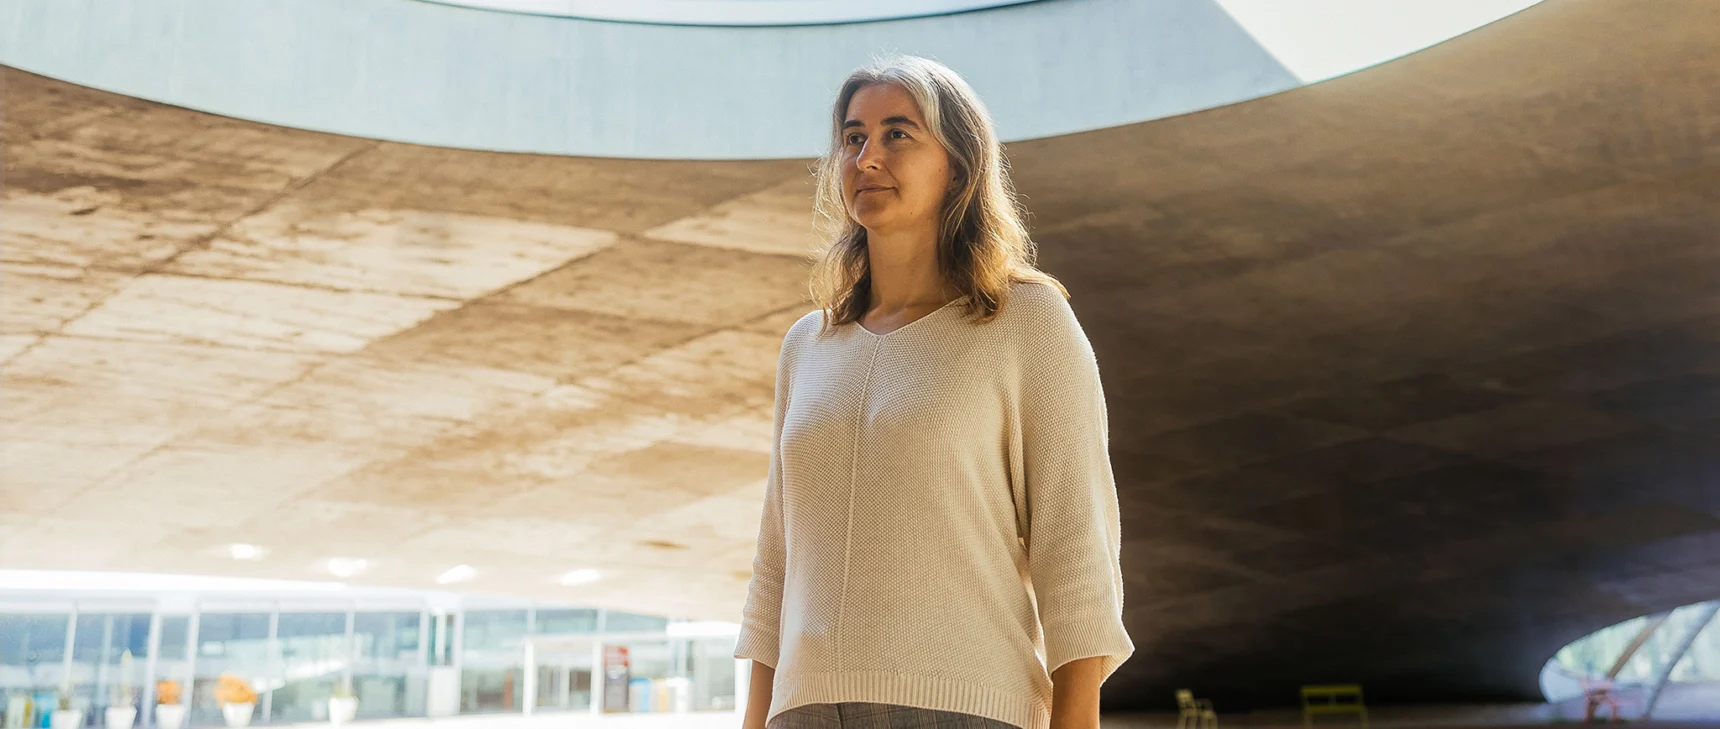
x=902 y=120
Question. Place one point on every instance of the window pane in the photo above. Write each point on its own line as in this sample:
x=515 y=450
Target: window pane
x=713 y=674
x=173 y=663
x=108 y=660
x=652 y=676
x=175 y=634
x=385 y=636
x=313 y=658
x=239 y=638
x=88 y=645
x=236 y=643
x=494 y=654
x=32 y=652
x=490 y=690
x=439 y=657
x=577 y=620
x=495 y=630
x=1702 y=662
x=388 y=676
x=615 y=622
x=564 y=675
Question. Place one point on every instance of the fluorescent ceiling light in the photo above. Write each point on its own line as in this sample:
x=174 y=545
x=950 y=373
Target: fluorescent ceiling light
x=458 y=574
x=579 y=577
x=246 y=551
x=346 y=567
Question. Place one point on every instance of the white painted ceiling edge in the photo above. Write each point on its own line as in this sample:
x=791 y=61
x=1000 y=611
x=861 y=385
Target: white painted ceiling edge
x=1321 y=39
x=428 y=73
x=735 y=12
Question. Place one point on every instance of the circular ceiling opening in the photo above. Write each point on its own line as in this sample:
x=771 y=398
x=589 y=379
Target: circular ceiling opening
x=735 y=12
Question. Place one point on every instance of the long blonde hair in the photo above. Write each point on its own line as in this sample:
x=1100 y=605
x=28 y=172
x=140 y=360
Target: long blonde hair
x=983 y=244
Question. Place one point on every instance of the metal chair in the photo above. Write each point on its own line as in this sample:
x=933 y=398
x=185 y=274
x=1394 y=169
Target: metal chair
x=1598 y=692
x=1195 y=713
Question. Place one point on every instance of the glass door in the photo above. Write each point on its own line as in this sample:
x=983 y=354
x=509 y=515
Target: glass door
x=564 y=670
x=492 y=673
x=389 y=677
x=311 y=663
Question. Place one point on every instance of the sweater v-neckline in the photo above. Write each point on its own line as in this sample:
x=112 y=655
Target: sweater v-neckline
x=922 y=317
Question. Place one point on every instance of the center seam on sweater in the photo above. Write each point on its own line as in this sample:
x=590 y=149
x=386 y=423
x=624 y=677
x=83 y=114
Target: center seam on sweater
x=853 y=476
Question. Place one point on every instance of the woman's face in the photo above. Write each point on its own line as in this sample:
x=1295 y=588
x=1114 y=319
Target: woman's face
x=894 y=174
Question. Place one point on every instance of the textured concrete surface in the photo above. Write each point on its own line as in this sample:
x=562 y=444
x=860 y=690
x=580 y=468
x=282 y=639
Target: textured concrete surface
x=1414 y=375
x=217 y=331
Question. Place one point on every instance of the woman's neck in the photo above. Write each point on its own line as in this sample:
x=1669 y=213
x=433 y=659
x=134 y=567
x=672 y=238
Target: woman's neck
x=905 y=272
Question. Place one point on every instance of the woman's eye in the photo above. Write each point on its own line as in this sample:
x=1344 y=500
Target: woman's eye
x=859 y=138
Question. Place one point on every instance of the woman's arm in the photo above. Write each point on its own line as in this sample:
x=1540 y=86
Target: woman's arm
x=1075 y=694
x=1072 y=518
x=761 y=617
x=759 y=695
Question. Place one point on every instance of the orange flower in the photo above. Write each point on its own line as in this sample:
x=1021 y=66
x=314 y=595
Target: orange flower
x=231 y=689
x=167 y=691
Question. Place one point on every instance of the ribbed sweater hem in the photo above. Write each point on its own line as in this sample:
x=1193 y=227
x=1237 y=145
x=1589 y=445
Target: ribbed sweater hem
x=926 y=692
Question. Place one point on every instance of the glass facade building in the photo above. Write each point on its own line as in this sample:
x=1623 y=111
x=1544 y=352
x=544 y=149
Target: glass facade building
x=435 y=655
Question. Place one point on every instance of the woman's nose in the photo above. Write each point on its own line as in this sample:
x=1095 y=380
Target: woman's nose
x=871 y=156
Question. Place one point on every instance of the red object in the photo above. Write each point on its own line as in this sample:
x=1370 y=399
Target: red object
x=1595 y=693
x=617 y=671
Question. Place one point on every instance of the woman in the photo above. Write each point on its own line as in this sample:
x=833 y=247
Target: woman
x=940 y=537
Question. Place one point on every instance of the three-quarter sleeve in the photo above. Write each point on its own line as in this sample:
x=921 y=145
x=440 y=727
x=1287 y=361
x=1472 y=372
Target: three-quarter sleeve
x=1074 y=534
x=761 y=621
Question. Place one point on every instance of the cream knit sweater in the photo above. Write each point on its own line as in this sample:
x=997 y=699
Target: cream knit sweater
x=940 y=523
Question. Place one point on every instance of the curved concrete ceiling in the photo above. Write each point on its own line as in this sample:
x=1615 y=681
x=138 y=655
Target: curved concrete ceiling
x=1413 y=374
x=736 y=12
x=434 y=74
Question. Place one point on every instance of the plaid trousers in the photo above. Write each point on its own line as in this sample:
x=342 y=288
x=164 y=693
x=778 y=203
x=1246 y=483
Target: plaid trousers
x=864 y=715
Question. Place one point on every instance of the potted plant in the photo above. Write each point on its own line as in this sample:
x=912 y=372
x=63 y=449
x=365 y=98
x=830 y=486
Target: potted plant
x=17 y=704
x=122 y=709
x=66 y=717
x=343 y=705
x=169 y=713
x=237 y=700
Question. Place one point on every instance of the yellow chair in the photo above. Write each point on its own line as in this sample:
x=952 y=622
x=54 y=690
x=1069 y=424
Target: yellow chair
x=1332 y=699
x=1195 y=713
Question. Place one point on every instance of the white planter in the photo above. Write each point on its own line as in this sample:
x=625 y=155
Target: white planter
x=342 y=710
x=237 y=714
x=170 y=716
x=66 y=719
x=121 y=717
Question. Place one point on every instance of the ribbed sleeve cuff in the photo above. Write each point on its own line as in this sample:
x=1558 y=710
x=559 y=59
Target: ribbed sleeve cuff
x=758 y=644
x=1076 y=639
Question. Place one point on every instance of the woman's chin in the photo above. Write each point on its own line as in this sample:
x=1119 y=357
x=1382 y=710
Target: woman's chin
x=871 y=217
